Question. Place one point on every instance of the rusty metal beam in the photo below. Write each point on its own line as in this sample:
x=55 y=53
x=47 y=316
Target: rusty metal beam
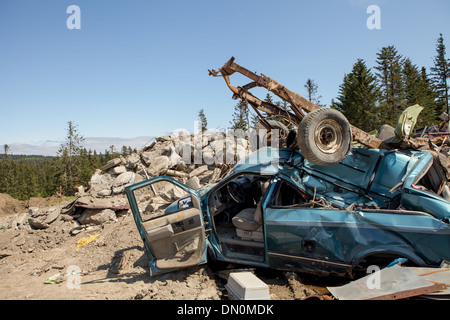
x=299 y=105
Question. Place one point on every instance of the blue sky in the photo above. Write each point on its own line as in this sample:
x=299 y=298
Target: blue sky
x=138 y=68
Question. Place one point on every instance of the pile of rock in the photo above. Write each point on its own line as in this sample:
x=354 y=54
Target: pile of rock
x=191 y=159
x=183 y=156
x=195 y=160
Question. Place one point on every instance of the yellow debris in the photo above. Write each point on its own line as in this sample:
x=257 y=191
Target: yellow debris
x=84 y=241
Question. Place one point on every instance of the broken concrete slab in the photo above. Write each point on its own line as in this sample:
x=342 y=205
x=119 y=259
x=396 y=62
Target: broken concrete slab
x=133 y=160
x=155 y=204
x=175 y=173
x=148 y=156
x=95 y=216
x=111 y=163
x=104 y=193
x=36 y=224
x=193 y=183
x=164 y=138
x=174 y=158
x=19 y=221
x=52 y=215
x=118 y=169
x=100 y=181
x=159 y=164
x=198 y=171
x=91 y=202
x=124 y=178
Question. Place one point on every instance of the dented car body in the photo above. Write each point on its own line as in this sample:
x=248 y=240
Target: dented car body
x=276 y=209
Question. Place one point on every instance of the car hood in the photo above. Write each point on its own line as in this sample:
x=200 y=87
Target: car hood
x=266 y=161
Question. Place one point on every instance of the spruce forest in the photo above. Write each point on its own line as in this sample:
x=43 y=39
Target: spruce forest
x=23 y=177
x=368 y=97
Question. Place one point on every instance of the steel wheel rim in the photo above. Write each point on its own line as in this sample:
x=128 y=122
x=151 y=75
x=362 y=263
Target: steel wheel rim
x=328 y=136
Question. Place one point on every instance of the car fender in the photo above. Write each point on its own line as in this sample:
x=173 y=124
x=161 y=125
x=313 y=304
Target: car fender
x=391 y=250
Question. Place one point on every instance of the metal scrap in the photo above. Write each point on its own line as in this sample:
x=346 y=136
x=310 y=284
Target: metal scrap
x=434 y=139
x=393 y=283
x=299 y=105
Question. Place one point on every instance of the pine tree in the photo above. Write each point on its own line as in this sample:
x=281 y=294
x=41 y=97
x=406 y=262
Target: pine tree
x=7 y=174
x=312 y=92
x=389 y=66
x=358 y=98
x=85 y=170
x=240 y=117
x=440 y=73
x=124 y=151
x=95 y=160
x=203 y=121
x=69 y=153
x=418 y=90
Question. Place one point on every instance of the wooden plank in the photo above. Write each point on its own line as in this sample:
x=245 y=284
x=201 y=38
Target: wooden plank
x=411 y=293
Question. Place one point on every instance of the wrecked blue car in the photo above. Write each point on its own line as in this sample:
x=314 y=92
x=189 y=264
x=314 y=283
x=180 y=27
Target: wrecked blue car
x=276 y=209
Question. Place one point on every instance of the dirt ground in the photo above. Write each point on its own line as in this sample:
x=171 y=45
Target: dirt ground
x=51 y=264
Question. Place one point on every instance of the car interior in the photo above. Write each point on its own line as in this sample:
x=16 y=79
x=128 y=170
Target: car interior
x=433 y=180
x=237 y=215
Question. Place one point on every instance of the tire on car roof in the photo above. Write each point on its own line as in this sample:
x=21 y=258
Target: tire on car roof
x=324 y=137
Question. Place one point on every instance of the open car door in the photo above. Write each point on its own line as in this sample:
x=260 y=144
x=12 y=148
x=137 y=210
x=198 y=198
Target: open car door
x=170 y=222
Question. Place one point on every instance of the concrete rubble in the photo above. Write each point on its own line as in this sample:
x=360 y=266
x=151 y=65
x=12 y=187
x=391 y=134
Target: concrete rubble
x=193 y=160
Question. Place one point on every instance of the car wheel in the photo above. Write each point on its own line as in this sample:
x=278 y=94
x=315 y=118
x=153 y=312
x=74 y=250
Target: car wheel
x=324 y=137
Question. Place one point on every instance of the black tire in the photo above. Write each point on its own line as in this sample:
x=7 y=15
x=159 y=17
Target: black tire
x=291 y=140
x=324 y=137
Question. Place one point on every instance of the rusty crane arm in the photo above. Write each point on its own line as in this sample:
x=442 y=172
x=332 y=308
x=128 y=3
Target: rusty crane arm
x=299 y=105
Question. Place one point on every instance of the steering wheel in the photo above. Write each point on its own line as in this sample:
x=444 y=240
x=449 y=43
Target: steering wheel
x=236 y=192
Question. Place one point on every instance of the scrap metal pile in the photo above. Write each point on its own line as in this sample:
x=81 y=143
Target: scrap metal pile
x=324 y=135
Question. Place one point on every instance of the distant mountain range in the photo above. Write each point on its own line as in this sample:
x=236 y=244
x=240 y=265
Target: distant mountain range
x=100 y=144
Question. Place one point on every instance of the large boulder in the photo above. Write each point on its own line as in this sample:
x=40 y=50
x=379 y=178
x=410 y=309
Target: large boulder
x=111 y=163
x=132 y=161
x=95 y=216
x=100 y=182
x=118 y=170
x=159 y=165
x=124 y=178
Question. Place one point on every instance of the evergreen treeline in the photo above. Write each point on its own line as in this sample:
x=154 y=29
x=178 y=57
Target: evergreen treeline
x=23 y=177
x=370 y=99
